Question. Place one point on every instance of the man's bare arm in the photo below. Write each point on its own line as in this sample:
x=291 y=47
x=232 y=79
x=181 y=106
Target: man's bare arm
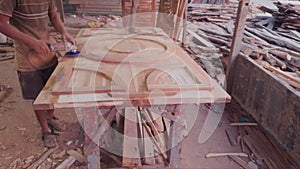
x=10 y=31
x=59 y=26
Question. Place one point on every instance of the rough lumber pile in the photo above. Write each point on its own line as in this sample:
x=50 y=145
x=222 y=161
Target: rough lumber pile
x=280 y=50
x=6 y=52
x=212 y=1
x=211 y=13
x=97 y=7
x=145 y=10
x=142 y=6
x=288 y=16
x=171 y=12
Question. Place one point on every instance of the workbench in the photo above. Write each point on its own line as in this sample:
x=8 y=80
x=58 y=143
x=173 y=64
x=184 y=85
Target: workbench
x=136 y=80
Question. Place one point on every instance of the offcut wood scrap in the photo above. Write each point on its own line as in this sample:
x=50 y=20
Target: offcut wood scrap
x=43 y=158
x=210 y=155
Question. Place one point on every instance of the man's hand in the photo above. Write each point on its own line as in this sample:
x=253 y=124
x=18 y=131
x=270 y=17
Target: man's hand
x=40 y=47
x=59 y=26
x=68 y=38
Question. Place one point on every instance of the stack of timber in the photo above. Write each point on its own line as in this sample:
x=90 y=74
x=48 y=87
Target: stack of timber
x=288 y=16
x=147 y=138
x=7 y=52
x=145 y=12
x=277 y=51
x=213 y=13
x=97 y=7
x=212 y=1
x=173 y=12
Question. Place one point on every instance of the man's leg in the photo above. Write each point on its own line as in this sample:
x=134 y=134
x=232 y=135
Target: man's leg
x=54 y=122
x=42 y=119
x=47 y=136
x=31 y=84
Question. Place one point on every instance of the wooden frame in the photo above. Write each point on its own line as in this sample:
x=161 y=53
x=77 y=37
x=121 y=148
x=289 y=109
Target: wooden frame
x=138 y=81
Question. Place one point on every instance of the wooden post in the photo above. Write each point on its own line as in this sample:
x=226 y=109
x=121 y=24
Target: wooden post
x=130 y=142
x=60 y=9
x=133 y=11
x=184 y=26
x=91 y=149
x=176 y=134
x=237 y=41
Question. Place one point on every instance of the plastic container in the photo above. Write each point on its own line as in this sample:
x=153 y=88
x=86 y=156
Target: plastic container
x=3 y=38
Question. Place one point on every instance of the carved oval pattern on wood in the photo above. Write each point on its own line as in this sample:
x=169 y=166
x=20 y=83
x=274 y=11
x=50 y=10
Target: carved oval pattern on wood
x=137 y=49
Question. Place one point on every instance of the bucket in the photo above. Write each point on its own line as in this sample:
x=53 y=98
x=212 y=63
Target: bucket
x=3 y=38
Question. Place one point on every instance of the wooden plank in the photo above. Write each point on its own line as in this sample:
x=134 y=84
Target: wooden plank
x=176 y=136
x=232 y=135
x=67 y=163
x=156 y=144
x=200 y=39
x=154 y=129
x=239 y=161
x=7 y=56
x=131 y=153
x=210 y=155
x=237 y=40
x=252 y=147
x=105 y=124
x=156 y=166
x=91 y=147
x=149 y=149
x=43 y=158
x=272 y=154
x=243 y=124
x=78 y=156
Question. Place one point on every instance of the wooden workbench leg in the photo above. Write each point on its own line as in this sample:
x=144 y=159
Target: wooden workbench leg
x=176 y=136
x=91 y=149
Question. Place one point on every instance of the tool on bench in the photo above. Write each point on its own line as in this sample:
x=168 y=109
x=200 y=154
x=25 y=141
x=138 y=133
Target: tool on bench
x=71 y=49
x=68 y=49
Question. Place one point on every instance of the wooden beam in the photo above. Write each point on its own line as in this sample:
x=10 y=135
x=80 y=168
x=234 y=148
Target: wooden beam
x=243 y=124
x=43 y=158
x=131 y=153
x=90 y=124
x=239 y=161
x=133 y=11
x=149 y=148
x=210 y=155
x=237 y=41
x=67 y=163
x=231 y=134
x=176 y=134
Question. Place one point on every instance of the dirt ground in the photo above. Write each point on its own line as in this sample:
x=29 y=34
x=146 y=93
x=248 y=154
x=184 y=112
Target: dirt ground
x=20 y=136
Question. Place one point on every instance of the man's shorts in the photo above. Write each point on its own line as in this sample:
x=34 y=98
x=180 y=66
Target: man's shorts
x=33 y=82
